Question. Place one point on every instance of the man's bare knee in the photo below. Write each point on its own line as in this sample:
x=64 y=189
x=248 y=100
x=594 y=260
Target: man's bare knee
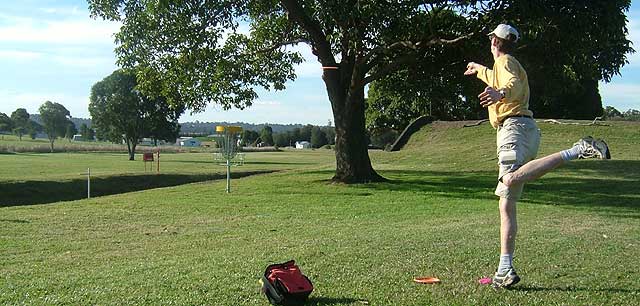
x=509 y=179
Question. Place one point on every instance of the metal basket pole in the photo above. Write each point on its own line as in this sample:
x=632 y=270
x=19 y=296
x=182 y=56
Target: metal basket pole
x=228 y=147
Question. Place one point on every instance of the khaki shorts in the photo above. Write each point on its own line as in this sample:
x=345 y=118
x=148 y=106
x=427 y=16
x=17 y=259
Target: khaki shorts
x=518 y=140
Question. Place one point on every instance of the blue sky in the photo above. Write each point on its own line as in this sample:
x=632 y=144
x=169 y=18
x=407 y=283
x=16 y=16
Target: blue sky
x=52 y=50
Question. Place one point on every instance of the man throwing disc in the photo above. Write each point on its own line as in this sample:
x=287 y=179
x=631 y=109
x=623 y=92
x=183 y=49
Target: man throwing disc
x=506 y=98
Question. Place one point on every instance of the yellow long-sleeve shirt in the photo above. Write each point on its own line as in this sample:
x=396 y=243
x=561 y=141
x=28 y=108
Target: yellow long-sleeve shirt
x=508 y=75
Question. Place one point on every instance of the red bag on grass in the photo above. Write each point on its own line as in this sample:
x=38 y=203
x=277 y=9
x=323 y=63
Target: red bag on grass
x=284 y=284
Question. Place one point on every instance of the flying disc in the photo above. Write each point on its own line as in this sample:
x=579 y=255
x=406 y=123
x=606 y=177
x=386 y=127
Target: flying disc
x=485 y=281
x=426 y=280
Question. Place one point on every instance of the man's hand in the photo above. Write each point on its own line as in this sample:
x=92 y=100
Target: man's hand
x=472 y=68
x=489 y=96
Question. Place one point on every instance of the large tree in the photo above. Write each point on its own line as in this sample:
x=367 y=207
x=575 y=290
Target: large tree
x=55 y=119
x=86 y=132
x=198 y=52
x=120 y=111
x=33 y=129
x=70 y=131
x=266 y=135
x=162 y=120
x=20 y=119
x=566 y=48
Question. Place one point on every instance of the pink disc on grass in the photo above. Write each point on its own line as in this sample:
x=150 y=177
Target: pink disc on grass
x=485 y=281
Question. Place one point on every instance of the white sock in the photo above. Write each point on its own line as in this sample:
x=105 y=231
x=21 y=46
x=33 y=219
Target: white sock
x=505 y=263
x=571 y=154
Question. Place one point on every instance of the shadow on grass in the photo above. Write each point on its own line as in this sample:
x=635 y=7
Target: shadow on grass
x=43 y=192
x=276 y=163
x=573 y=289
x=610 y=186
x=330 y=301
x=213 y=162
x=14 y=221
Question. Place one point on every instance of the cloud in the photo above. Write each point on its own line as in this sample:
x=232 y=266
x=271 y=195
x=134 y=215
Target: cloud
x=266 y=103
x=73 y=11
x=80 y=31
x=84 y=62
x=18 y=55
x=622 y=96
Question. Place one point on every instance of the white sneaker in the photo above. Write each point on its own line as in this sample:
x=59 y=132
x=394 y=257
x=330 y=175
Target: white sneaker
x=505 y=280
x=593 y=148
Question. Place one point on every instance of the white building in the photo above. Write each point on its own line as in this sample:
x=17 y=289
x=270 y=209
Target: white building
x=189 y=142
x=303 y=145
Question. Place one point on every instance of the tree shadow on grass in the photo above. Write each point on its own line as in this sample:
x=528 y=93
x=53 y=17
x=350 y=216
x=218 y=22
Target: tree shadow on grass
x=601 y=185
x=573 y=289
x=43 y=192
x=331 y=301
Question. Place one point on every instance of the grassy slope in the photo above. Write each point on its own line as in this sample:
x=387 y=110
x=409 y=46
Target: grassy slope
x=192 y=244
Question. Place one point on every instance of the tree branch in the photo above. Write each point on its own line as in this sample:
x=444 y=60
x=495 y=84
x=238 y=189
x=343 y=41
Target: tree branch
x=398 y=62
x=321 y=46
x=282 y=44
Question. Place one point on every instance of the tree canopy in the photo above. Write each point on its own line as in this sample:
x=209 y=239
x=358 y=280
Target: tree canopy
x=86 y=132
x=55 y=119
x=566 y=47
x=71 y=131
x=121 y=112
x=266 y=135
x=20 y=118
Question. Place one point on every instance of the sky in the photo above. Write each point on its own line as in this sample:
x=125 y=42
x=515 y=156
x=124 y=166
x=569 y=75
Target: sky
x=52 y=50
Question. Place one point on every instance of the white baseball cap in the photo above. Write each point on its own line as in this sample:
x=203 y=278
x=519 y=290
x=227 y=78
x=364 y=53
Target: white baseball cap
x=503 y=30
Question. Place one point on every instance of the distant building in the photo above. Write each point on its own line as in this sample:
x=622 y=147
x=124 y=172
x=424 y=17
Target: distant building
x=303 y=145
x=146 y=142
x=77 y=137
x=189 y=142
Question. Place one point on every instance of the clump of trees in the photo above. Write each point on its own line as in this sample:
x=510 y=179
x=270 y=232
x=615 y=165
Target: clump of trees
x=120 y=111
x=87 y=133
x=19 y=124
x=318 y=136
x=611 y=113
x=55 y=120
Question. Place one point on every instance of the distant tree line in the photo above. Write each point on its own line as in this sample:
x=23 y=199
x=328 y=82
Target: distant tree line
x=53 y=119
x=318 y=136
x=611 y=113
x=19 y=124
x=199 y=128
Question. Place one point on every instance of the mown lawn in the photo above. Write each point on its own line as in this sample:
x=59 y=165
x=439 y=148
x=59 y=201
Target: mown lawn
x=361 y=244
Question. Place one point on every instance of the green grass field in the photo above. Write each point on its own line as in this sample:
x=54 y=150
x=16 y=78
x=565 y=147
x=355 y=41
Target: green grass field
x=177 y=238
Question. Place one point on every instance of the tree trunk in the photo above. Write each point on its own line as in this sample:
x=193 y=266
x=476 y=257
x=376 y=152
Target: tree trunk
x=131 y=148
x=132 y=154
x=51 y=140
x=352 y=158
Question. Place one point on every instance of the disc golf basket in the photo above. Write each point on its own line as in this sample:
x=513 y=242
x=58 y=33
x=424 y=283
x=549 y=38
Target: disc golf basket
x=228 y=139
